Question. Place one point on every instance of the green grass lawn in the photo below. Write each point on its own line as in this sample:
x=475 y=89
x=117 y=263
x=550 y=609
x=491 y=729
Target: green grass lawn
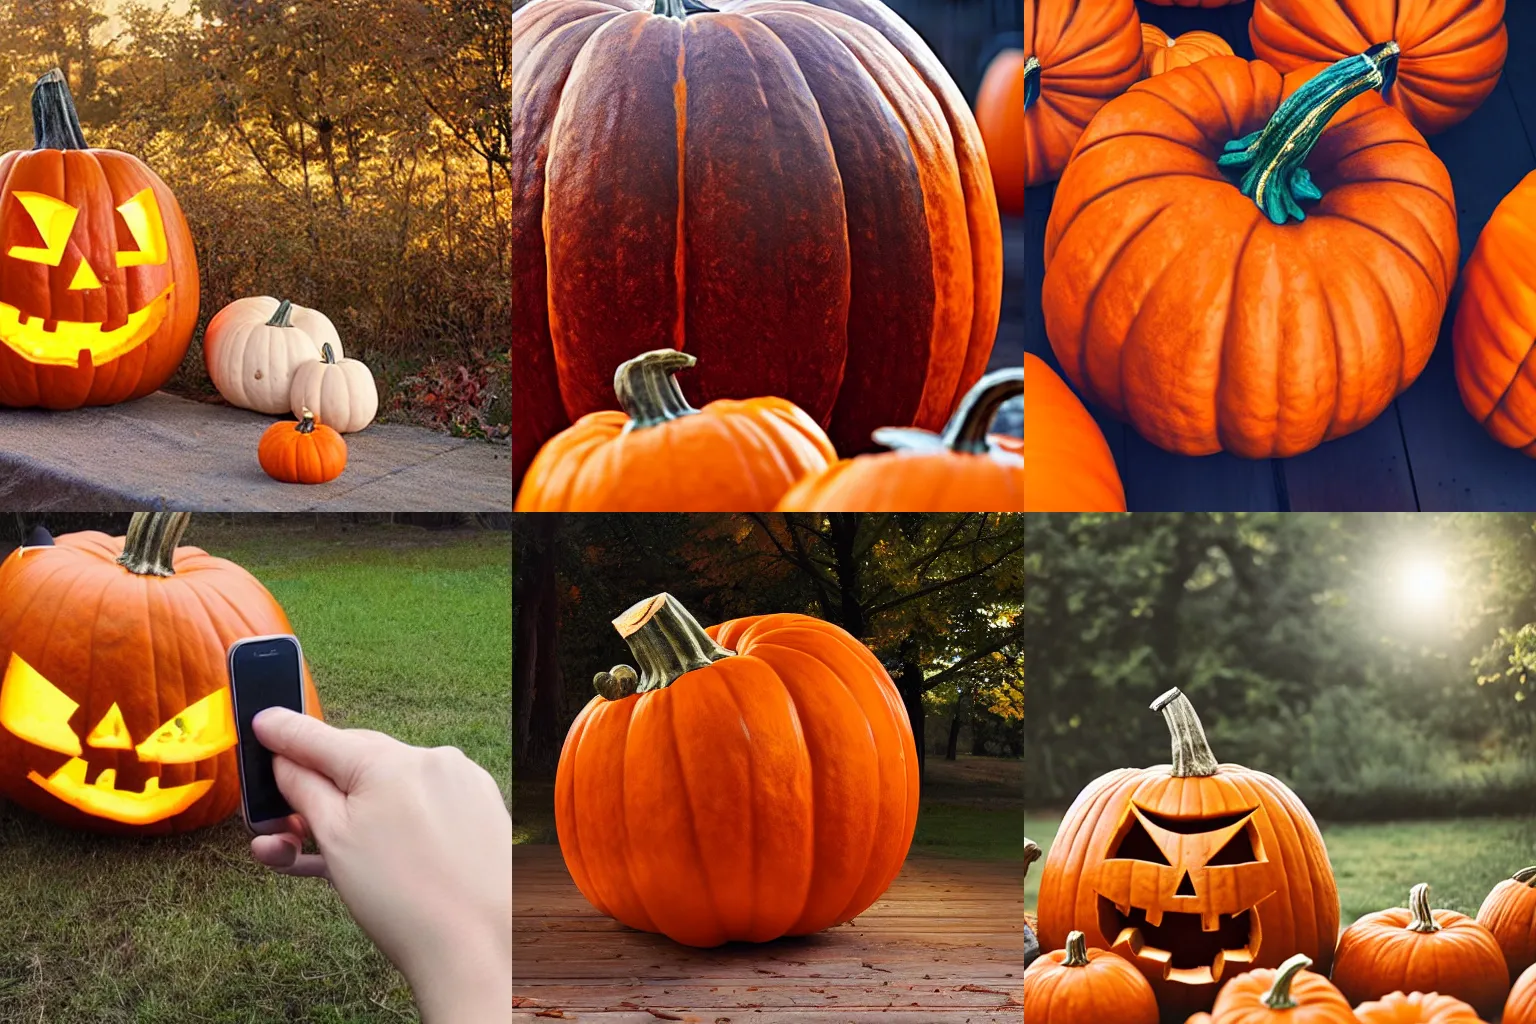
x=406 y=631
x=968 y=808
x=1376 y=864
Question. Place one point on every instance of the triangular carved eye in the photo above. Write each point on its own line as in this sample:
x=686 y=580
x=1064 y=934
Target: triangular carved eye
x=141 y=215
x=1139 y=845
x=1239 y=850
x=54 y=220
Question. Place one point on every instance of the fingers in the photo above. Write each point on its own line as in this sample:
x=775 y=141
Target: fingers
x=340 y=754
x=284 y=854
x=311 y=793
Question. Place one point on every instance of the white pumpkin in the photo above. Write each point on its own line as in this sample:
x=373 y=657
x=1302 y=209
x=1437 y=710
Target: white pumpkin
x=340 y=392
x=253 y=346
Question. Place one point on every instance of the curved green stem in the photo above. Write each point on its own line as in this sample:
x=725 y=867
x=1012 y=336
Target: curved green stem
x=1192 y=757
x=648 y=391
x=1267 y=165
x=1031 y=81
x=1279 y=995
x=55 y=122
x=282 y=315
x=306 y=422
x=1423 y=917
x=327 y=353
x=666 y=640
x=1526 y=876
x=149 y=549
x=966 y=430
x=680 y=9
x=1077 y=950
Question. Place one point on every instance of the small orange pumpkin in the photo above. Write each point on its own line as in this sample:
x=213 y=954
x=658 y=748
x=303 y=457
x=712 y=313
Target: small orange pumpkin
x=1068 y=466
x=1521 y=1007
x=963 y=469
x=1509 y=913
x=302 y=452
x=1078 y=985
x=1414 y=949
x=662 y=454
x=1417 y=1008
x=1289 y=995
x=1000 y=116
x=1163 y=52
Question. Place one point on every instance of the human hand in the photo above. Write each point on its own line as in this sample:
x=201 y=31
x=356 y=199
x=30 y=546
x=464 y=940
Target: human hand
x=417 y=842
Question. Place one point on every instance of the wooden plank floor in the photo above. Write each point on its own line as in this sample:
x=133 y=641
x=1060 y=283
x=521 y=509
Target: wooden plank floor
x=1425 y=453
x=943 y=946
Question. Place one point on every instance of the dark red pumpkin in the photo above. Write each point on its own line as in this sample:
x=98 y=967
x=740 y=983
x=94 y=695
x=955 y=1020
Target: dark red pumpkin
x=796 y=194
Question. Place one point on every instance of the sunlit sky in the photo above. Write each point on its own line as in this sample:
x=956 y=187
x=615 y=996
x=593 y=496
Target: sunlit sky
x=111 y=8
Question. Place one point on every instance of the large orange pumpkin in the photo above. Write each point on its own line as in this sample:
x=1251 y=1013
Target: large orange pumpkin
x=753 y=780
x=661 y=454
x=1520 y=1008
x=1163 y=52
x=1496 y=322
x=1290 y=994
x=1078 y=985
x=1417 y=1008
x=798 y=195
x=1078 y=56
x=98 y=279
x=1194 y=872
x=1068 y=466
x=114 y=704
x=964 y=469
x=1414 y=949
x=1509 y=913
x=1000 y=116
x=1218 y=314
x=1452 y=50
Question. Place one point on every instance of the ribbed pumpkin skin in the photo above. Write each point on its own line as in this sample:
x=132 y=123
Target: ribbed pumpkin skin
x=1417 y=1008
x=1089 y=54
x=1195 y=3
x=1378 y=954
x=152 y=645
x=1452 y=50
x=735 y=456
x=1164 y=53
x=1067 y=463
x=1172 y=300
x=840 y=241
x=1509 y=913
x=1000 y=116
x=1496 y=322
x=771 y=793
x=1301 y=916
x=96 y=181
x=1521 y=1006
x=294 y=457
x=1108 y=989
x=913 y=482
x=1317 y=1001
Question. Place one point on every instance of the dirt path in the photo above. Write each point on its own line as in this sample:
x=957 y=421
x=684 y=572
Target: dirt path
x=943 y=946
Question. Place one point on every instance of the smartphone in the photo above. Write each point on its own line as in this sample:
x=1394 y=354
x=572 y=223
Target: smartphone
x=264 y=672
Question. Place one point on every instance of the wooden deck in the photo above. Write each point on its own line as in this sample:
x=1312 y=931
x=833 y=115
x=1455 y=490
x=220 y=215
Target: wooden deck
x=943 y=946
x=1425 y=453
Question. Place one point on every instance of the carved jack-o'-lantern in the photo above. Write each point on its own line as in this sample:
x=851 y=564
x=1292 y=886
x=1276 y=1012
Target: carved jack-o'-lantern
x=98 y=279
x=1195 y=872
x=114 y=701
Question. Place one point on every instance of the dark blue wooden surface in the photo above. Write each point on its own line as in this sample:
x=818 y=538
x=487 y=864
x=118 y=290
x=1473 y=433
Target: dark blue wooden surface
x=1425 y=453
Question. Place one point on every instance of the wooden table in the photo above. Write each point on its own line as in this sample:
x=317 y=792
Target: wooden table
x=1425 y=453
x=943 y=946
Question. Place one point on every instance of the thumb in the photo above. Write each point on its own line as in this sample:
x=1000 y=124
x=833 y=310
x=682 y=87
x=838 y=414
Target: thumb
x=313 y=795
x=341 y=755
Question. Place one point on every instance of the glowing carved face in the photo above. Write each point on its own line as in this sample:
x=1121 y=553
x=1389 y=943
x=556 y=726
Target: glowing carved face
x=37 y=711
x=40 y=229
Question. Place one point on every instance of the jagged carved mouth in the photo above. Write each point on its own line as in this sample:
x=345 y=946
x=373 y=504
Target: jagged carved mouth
x=1189 y=949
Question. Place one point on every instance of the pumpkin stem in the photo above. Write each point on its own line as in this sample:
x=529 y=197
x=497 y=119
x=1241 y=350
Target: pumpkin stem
x=327 y=353
x=1423 y=918
x=966 y=431
x=1267 y=165
x=615 y=684
x=1279 y=995
x=1077 y=950
x=647 y=391
x=666 y=641
x=55 y=122
x=306 y=422
x=680 y=9
x=281 y=316
x=1031 y=81
x=1192 y=757
x=1526 y=876
x=150 y=546
x=1031 y=854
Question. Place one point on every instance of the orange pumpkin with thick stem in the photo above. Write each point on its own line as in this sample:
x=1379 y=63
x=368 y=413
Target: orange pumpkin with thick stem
x=798 y=195
x=98 y=278
x=1509 y=913
x=1496 y=323
x=964 y=469
x=1188 y=290
x=1417 y=1008
x=114 y=691
x=1520 y=1008
x=1452 y=50
x=1077 y=57
x=304 y=451
x=1000 y=116
x=1414 y=949
x=1145 y=859
x=752 y=780
x=1290 y=994
x=1163 y=52
x=1068 y=466
x=1078 y=985
x=661 y=454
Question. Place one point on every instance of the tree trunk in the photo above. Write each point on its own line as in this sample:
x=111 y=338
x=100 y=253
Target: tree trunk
x=844 y=528
x=954 y=724
x=536 y=678
x=909 y=681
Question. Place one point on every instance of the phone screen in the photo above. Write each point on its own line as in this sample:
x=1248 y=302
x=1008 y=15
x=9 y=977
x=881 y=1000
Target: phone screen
x=263 y=674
